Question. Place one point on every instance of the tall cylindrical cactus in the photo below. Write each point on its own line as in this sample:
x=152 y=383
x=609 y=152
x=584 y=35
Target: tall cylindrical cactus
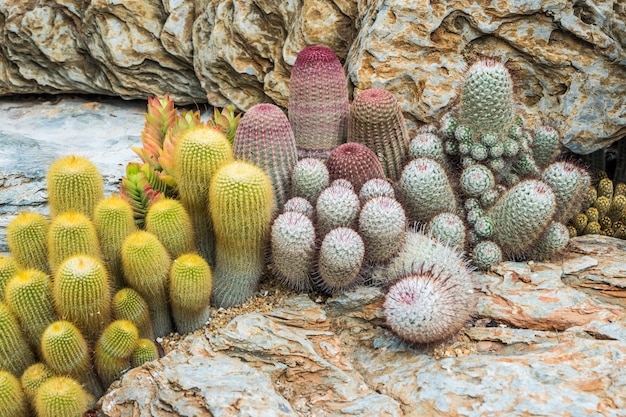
x=354 y=162
x=318 y=102
x=12 y=397
x=8 y=268
x=15 y=353
x=128 y=304
x=71 y=233
x=242 y=207
x=377 y=122
x=27 y=239
x=191 y=282
x=264 y=138
x=168 y=220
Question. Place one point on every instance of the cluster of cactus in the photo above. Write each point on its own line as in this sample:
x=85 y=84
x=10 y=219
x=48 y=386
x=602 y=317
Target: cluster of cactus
x=603 y=211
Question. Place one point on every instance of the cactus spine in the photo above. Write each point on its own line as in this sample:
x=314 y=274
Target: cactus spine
x=62 y=396
x=71 y=233
x=128 y=304
x=114 y=349
x=27 y=240
x=15 y=354
x=354 y=162
x=191 y=282
x=168 y=220
x=12 y=398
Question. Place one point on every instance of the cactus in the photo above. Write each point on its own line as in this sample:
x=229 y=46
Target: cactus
x=318 y=102
x=309 y=178
x=340 y=260
x=300 y=205
x=376 y=121
x=113 y=220
x=476 y=180
x=191 y=282
x=71 y=233
x=605 y=188
x=65 y=351
x=486 y=253
x=569 y=183
x=376 y=187
x=8 y=268
x=74 y=184
x=265 y=138
x=354 y=162
x=242 y=207
x=15 y=353
x=382 y=226
x=168 y=220
x=145 y=351
x=62 y=396
x=29 y=295
x=114 y=350
x=546 y=145
x=448 y=228
x=27 y=240
x=551 y=242
x=82 y=294
x=12 y=398
x=426 y=190
x=33 y=377
x=336 y=207
x=128 y=304
x=146 y=265
x=199 y=153
x=427 y=145
x=292 y=244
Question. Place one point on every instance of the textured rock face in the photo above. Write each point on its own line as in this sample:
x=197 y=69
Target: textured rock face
x=569 y=57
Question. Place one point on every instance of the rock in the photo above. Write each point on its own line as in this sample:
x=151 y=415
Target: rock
x=569 y=57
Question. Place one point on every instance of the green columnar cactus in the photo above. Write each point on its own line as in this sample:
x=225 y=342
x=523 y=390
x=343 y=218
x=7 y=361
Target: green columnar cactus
x=376 y=187
x=309 y=178
x=486 y=253
x=191 y=283
x=29 y=295
x=341 y=257
x=114 y=221
x=382 y=226
x=146 y=265
x=168 y=220
x=354 y=162
x=265 y=138
x=242 y=207
x=521 y=214
x=336 y=206
x=318 y=102
x=128 y=304
x=8 y=268
x=114 y=350
x=33 y=377
x=62 y=396
x=376 y=121
x=146 y=351
x=12 y=398
x=27 y=240
x=292 y=244
x=569 y=183
x=300 y=205
x=425 y=189
x=71 y=233
x=427 y=145
x=546 y=145
x=448 y=228
x=82 y=294
x=74 y=184
x=199 y=153
x=65 y=351
x=15 y=354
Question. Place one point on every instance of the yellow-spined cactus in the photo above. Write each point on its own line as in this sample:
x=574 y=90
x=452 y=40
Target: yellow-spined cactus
x=71 y=233
x=27 y=239
x=145 y=351
x=13 y=402
x=8 y=268
x=114 y=349
x=33 y=377
x=191 y=282
x=62 y=396
x=168 y=220
x=128 y=304
x=15 y=354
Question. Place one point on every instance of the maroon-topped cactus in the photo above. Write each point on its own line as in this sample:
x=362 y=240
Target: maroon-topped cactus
x=318 y=102
x=377 y=122
x=264 y=138
x=354 y=162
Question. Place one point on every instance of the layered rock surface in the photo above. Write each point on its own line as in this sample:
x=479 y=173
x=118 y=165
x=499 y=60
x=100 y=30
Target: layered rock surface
x=569 y=57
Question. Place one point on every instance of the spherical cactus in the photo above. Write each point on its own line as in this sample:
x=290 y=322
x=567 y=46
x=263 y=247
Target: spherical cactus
x=8 y=268
x=354 y=162
x=242 y=207
x=318 y=102
x=114 y=349
x=191 y=282
x=376 y=121
x=27 y=240
x=82 y=294
x=309 y=178
x=592 y=228
x=128 y=304
x=376 y=187
x=29 y=295
x=62 y=396
x=427 y=145
x=13 y=401
x=146 y=351
x=74 y=184
x=336 y=207
x=71 y=233
x=33 y=377
x=476 y=180
x=340 y=260
x=521 y=214
x=146 y=265
x=569 y=183
x=300 y=205
x=15 y=354
x=426 y=190
x=382 y=226
x=292 y=244
x=264 y=138
x=486 y=253
x=546 y=145
x=342 y=182
x=551 y=242
x=200 y=151
x=448 y=228
x=114 y=221
x=168 y=220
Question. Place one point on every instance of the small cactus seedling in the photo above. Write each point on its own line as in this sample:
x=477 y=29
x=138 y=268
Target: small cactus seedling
x=191 y=282
x=71 y=233
x=354 y=162
x=8 y=268
x=62 y=396
x=448 y=228
x=13 y=401
x=146 y=351
x=168 y=220
x=382 y=225
x=74 y=184
x=318 y=102
x=376 y=187
x=15 y=354
x=376 y=121
x=309 y=178
x=340 y=260
x=336 y=207
x=114 y=349
x=128 y=304
x=265 y=138
x=27 y=240
x=33 y=377
x=476 y=180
